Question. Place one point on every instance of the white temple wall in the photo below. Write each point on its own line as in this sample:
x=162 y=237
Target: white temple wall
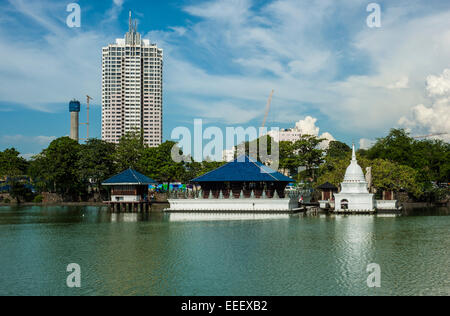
x=125 y=198
x=356 y=202
x=242 y=205
x=386 y=204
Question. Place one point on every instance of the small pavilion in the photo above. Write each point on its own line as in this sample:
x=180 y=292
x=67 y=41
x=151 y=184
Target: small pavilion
x=129 y=191
x=327 y=190
x=243 y=184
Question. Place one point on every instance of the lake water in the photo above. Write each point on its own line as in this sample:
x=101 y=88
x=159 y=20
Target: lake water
x=162 y=254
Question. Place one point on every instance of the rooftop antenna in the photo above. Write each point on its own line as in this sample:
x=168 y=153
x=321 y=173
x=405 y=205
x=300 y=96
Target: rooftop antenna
x=130 y=23
x=87 y=123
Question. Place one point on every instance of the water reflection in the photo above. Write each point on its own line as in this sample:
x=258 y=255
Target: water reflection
x=353 y=249
x=127 y=218
x=220 y=254
x=200 y=217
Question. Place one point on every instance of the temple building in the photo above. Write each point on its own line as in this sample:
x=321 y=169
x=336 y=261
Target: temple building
x=354 y=195
x=243 y=185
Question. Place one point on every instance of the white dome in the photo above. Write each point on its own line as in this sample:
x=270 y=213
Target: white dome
x=354 y=172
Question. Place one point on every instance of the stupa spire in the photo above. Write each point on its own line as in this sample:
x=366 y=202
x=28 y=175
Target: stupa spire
x=354 y=153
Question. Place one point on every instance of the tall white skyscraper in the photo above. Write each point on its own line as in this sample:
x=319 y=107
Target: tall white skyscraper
x=132 y=88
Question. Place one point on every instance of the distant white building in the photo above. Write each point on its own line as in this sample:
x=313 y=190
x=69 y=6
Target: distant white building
x=132 y=88
x=228 y=155
x=286 y=135
x=354 y=195
x=302 y=127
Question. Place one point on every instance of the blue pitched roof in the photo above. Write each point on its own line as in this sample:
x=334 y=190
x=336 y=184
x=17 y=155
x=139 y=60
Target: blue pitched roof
x=129 y=176
x=243 y=169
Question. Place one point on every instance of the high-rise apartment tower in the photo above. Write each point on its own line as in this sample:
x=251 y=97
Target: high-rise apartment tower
x=132 y=88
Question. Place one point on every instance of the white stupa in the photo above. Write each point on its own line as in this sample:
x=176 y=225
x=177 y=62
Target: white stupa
x=354 y=195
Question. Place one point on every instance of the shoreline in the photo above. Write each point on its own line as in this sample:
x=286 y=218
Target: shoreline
x=67 y=204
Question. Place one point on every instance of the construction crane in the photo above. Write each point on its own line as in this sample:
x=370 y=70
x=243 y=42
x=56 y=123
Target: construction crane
x=268 y=108
x=431 y=135
x=87 y=122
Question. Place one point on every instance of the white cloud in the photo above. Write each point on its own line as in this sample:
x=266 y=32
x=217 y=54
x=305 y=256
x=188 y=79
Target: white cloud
x=282 y=45
x=439 y=85
x=18 y=139
x=61 y=65
x=113 y=13
x=328 y=139
x=224 y=112
x=318 y=55
x=178 y=30
x=365 y=143
x=364 y=101
x=308 y=126
x=230 y=11
x=28 y=144
x=401 y=84
x=433 y=119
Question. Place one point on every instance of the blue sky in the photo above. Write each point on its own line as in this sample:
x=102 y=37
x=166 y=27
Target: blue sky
x=222 y=59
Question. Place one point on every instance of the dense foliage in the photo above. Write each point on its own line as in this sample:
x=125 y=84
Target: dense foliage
x=399 y=163
x=74 y=171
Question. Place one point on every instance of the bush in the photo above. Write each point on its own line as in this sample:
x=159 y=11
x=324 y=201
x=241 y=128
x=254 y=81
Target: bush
x=38 y=199
x=7 y=201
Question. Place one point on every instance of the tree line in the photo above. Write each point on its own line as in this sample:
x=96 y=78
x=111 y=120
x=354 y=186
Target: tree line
x=399 y=163
x=72 y=170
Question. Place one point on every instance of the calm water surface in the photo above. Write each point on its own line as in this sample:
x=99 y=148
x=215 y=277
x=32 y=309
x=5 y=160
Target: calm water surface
x=179 y=254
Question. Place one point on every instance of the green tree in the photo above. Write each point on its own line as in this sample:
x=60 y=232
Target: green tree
x=391 y=176
x=208 y=166
x=11 y=164
x=333 y=170
x=430 y=158
x=288 y=159
x=19 y=191
x=96 y=162
x=394 y=147
x=337 y=149
x=56 y=167
x=193 y=169
x=258 y=145
x=157 y=163
x=37 y=170
x=308 y=153
x=129 y=151
x=13 y=168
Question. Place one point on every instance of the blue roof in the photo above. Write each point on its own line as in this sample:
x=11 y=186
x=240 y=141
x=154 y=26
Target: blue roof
x=129 y=176
x=243 y=169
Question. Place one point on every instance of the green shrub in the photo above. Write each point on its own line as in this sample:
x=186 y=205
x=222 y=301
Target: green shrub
x=38 y=199
x=7 y=201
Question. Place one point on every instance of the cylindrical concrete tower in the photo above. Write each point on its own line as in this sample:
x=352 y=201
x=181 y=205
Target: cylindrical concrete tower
x=74 y=109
